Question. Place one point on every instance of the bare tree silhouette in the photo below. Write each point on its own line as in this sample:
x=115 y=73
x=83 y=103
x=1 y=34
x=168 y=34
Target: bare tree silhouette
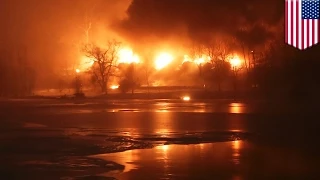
x=105 y=60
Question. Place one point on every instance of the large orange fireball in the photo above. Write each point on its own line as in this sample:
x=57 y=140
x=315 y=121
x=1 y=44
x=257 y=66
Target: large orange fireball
x=235 y=62
x=127 y=56
x=114 y=87
x=162 y=60
x=201 y=60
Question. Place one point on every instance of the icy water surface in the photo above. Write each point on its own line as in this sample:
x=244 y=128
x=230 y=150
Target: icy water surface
x=234 y=160
x=158 y=139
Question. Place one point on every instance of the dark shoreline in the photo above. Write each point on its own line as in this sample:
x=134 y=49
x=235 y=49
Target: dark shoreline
x=290 y=97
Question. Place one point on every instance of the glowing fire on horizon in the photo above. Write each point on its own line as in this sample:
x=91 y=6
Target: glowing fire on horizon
x=86 y=62
x=202 y=60
x=163 y=60
x=186 y=98
x=186 y=59
x=235 y=61
x=114 y=87
x=127 y=56
x=199 y=61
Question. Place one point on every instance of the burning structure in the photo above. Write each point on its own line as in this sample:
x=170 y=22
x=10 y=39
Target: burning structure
x=185 y=49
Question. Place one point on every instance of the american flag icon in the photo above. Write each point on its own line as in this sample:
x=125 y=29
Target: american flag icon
x=302 y=23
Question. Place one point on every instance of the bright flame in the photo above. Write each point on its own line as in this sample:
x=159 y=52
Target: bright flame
x=235 y=62
x=114 y=86
x=163 y=60
x=126 y=55
x=86 y=62
x=199 y=61
x=203 y=59
x=186 y=98
x=186 y=58
x=77 y=70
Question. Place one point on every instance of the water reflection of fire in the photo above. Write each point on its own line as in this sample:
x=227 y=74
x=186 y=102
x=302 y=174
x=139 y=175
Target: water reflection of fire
x=236 y=145
x=236 y=108
x=201 y=146
x=163 y=132
x=164 y=148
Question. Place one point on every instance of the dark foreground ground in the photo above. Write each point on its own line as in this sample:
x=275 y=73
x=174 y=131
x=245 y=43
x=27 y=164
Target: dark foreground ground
x=158 y=139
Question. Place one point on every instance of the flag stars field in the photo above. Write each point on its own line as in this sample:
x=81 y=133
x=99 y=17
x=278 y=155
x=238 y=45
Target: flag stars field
x=310 y=9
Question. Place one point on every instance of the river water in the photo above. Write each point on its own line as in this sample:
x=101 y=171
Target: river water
x=158 y=139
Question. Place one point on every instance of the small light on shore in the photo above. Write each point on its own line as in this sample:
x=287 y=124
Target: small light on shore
x=77 y=70
x=186 y=98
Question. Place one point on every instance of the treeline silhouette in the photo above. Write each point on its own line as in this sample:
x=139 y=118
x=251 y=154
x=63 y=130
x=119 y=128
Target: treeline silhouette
x=17 y=76
x=283 y=72
x=288 y=72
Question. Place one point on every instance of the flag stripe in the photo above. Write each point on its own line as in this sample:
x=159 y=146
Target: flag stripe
x=317 y=30
x=294 y=18
x=307 y=32
x=292 y=22
x=304 y=29
x=286 y=22
x=289 y=21
x=310 y=32
x=299 y=19
x=313 y=31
